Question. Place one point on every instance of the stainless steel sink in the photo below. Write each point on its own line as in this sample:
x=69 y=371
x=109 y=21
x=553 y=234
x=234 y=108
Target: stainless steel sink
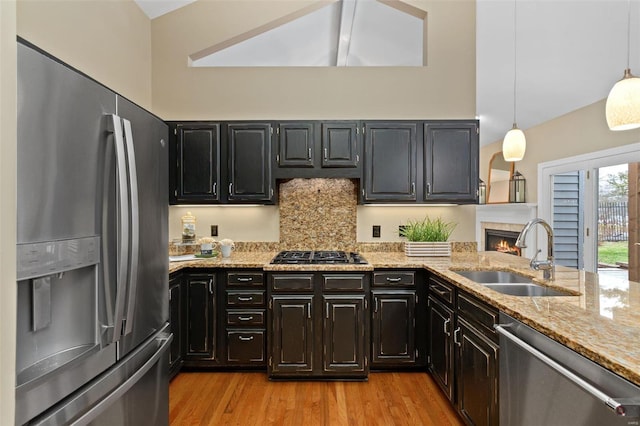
x=510 y=283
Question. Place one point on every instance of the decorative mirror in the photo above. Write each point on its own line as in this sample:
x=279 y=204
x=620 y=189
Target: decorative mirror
x=500 y=172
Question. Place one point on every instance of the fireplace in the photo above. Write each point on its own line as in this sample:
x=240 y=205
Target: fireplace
x=502 y=241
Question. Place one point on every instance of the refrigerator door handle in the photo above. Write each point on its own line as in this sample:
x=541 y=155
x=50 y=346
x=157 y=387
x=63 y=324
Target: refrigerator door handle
x=123 y=226
x=117 y=393
x=108 y=388
x=134 y=227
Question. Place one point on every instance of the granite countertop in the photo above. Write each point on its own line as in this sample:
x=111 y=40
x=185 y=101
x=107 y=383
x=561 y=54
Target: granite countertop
x=601 y=321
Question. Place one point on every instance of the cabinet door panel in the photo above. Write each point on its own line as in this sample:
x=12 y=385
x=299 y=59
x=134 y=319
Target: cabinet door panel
x=477 y=377
x=394 y=327
x=451 y=162
x=175 y=315
x=250 y=162
x=340 y=144
x=201 y=318
x=390 y=161
x=198 y=163
x=344 y=333
x=296 y=145
x=441 y=346
x=292 y=334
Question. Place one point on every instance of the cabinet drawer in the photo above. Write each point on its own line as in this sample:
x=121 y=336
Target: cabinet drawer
x=253 y=318
x=244 y=347
x=397 y=278
x=442 y=290
x=245 y=298
x=478 y=313
x=244 y=279
x=343 y=282
x=294 y=282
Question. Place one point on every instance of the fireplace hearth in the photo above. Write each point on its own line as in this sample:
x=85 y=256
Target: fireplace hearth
x=502 y=241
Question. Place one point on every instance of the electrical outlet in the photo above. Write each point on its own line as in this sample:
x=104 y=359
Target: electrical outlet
x=376 y=231
x=214 y=230
x=400 y=229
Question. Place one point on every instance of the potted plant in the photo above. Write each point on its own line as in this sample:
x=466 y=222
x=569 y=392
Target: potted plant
x=427 y=237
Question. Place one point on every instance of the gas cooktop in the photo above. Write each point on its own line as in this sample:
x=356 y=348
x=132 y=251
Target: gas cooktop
x=301 y=257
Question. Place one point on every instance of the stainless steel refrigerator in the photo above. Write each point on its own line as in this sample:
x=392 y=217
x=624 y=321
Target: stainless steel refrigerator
x=92 y=267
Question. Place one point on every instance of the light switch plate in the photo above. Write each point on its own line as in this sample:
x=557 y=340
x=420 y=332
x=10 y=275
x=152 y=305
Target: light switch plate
x=376 y=231
x=214 y=230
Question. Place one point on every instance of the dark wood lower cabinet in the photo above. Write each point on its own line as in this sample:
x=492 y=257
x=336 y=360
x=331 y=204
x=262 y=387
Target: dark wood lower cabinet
x=177 y=323
x=394 y=326
x=291 y=335
x=318 y=325
x=344 y=334
x=476 y=376
x=245 y=346
x=464 y=352
x=440 y=339
x=201 y=318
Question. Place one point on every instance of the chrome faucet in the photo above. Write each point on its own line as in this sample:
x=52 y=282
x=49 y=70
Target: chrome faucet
x=547 y=266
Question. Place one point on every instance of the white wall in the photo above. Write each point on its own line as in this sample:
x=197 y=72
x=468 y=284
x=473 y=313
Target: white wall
x=8 y=119
x=109 y=40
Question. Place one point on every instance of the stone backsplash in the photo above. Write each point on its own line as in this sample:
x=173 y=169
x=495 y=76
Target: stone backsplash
x=318 y=214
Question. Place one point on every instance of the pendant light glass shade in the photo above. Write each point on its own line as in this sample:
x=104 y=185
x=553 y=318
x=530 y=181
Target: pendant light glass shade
x=514 y=144
x=623 y=104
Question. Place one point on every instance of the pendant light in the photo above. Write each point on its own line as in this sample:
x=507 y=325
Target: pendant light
x=623 y=103
x=514 y=143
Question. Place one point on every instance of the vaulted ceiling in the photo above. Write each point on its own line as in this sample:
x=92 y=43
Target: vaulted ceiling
x=569 y=52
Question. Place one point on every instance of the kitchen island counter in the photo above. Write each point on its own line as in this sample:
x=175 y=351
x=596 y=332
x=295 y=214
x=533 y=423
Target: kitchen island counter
x=600 y=320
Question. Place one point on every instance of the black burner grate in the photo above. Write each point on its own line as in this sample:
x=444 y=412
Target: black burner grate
x=319 y=257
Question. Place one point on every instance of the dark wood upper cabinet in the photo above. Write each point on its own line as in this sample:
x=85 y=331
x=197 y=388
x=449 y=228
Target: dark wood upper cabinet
x=390 y=161
x=340 y=144
x=195 y=152
x=249 y=160
x=296 y=144
x=318 y=149
x=451 y=161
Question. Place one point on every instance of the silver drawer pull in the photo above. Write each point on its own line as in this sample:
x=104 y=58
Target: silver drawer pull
x=245 y=299
x=245 y=318
x=446 y=329
x=440 y=292
x=245 y=339
x=245 y=279
x=394 y=280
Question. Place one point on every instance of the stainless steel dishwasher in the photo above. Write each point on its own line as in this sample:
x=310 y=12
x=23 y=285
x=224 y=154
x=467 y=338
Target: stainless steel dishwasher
x=544 y=383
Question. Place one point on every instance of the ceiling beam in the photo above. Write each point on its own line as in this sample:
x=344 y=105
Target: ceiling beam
x=347 y=15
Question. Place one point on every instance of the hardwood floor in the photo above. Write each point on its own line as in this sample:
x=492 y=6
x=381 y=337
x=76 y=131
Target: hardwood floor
x=197 y=398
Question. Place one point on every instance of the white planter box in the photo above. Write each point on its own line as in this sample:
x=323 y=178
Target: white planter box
x=417 y=249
